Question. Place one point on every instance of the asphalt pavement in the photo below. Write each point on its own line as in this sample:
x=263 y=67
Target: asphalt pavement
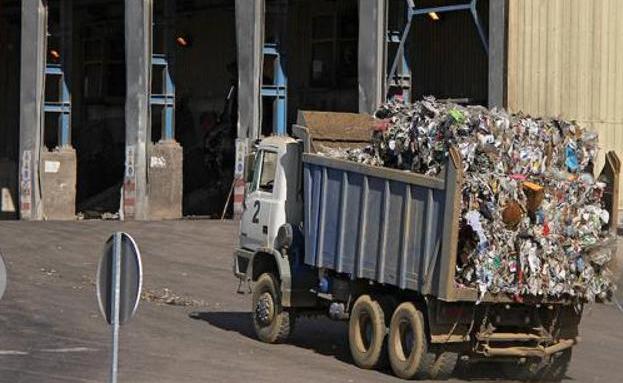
x=191 y=326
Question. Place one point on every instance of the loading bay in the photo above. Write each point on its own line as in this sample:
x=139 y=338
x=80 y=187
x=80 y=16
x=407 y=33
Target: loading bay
x=191 y=325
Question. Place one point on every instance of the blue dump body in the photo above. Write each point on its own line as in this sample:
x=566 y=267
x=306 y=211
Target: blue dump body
x=374 y=223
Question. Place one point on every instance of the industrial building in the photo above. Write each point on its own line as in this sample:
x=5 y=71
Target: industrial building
x=143 y=109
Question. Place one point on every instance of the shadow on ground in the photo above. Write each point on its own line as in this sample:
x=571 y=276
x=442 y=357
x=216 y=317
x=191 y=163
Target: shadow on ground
x=321 y=335
x=330 y=338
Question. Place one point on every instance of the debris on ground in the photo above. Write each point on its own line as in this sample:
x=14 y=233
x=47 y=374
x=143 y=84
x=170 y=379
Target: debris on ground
x=167 y=297
x=50 y=272
x=532 y=221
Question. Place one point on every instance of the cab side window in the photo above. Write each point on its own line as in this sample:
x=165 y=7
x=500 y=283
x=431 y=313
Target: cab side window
x=269 y=166
x=264 y=174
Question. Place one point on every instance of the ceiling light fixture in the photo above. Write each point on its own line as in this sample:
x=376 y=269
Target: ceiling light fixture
x=434 y=16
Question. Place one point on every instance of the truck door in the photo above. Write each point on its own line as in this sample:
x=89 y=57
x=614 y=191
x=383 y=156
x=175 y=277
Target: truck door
x=259 y=202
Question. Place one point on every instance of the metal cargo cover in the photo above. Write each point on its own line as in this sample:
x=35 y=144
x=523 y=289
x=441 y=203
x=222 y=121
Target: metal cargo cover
x=380 y=224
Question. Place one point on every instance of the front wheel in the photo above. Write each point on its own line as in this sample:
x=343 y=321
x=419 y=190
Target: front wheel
x=272 y=324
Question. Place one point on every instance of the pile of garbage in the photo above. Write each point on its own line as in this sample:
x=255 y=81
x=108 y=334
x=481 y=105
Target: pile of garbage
x=532 y=220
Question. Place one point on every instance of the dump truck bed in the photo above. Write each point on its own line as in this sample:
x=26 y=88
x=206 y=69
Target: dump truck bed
x=380 y=224
x=394 y=227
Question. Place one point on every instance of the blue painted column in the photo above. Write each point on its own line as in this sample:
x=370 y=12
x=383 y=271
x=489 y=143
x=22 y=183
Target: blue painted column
x=277 y=90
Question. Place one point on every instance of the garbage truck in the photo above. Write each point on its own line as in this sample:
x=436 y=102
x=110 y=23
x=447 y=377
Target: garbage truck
x=377 y=247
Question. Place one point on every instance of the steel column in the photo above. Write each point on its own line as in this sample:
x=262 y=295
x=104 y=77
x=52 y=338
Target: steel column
x=66 y=15
x=498 y=19
x=166 y=61
x=277 y=90
x=401 y=81
x=138 y=52
x=32 y=77
x=61 y=73
x=372 y=53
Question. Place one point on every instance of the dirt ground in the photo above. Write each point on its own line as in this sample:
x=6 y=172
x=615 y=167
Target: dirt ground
x=198 y=329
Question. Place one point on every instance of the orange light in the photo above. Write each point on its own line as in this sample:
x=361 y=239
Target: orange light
x=182 y=41
x=54 y=54
x=434 y=16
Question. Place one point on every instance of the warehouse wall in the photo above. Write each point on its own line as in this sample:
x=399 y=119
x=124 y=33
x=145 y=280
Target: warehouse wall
x=565 y=57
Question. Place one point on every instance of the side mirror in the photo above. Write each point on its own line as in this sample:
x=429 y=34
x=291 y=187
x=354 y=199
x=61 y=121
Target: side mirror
x=249 y=167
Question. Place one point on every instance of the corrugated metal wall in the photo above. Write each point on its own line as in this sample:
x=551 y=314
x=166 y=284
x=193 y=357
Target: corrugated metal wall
x=565 y=57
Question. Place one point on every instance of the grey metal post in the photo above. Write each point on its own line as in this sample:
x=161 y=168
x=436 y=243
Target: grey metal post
x=116 y=293
x=372 y=53
x=33 y=49
x=498 y=19
x=250 y=41
x=168 y=114
x=66 y=29
x=138 y=51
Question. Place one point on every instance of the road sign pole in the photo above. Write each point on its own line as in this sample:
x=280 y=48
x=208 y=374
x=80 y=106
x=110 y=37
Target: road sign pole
x=115 y=293
x=119 y=283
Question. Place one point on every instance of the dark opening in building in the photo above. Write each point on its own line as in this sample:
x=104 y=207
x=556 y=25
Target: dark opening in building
x=322 y=55
x=445 y=55
x=98 y=105
x=200 y=40
x=10 y=30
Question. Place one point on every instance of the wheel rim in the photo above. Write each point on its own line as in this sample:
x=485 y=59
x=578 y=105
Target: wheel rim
x=265 y=309
x=365 y=330
x=404 y=344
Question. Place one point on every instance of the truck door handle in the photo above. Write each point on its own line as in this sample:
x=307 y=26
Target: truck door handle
x=265 y=229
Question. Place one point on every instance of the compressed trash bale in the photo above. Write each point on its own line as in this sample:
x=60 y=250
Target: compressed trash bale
x=532 y=220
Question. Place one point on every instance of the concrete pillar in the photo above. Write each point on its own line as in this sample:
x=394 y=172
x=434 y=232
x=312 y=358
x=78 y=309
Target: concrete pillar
x=33 y=49
x=165 y=180
x=138 y=51
x=372 y=54
x=498 y=20
x=58 y=183
x=250 y=41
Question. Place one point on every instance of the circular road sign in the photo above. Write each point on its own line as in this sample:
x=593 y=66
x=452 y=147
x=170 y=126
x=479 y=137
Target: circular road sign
x=130 y=278
x=2 y=276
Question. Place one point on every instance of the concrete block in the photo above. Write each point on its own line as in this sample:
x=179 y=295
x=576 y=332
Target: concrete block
x=165 y=180
x=8 y=189
x=58 y=184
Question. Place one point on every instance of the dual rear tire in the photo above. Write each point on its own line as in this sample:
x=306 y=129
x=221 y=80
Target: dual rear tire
x=366 y=333
x=410 y=354
x=406 y=346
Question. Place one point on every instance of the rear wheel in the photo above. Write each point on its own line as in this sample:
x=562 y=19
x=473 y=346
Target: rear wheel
x=556 y=370
x=440 y=364
x=407 y=344
x=272 y=324
x=366 y=332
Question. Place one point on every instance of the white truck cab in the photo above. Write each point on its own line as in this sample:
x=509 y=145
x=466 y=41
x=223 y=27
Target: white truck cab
x=274 y=193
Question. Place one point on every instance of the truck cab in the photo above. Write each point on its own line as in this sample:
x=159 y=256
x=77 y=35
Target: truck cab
x=274 y=195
